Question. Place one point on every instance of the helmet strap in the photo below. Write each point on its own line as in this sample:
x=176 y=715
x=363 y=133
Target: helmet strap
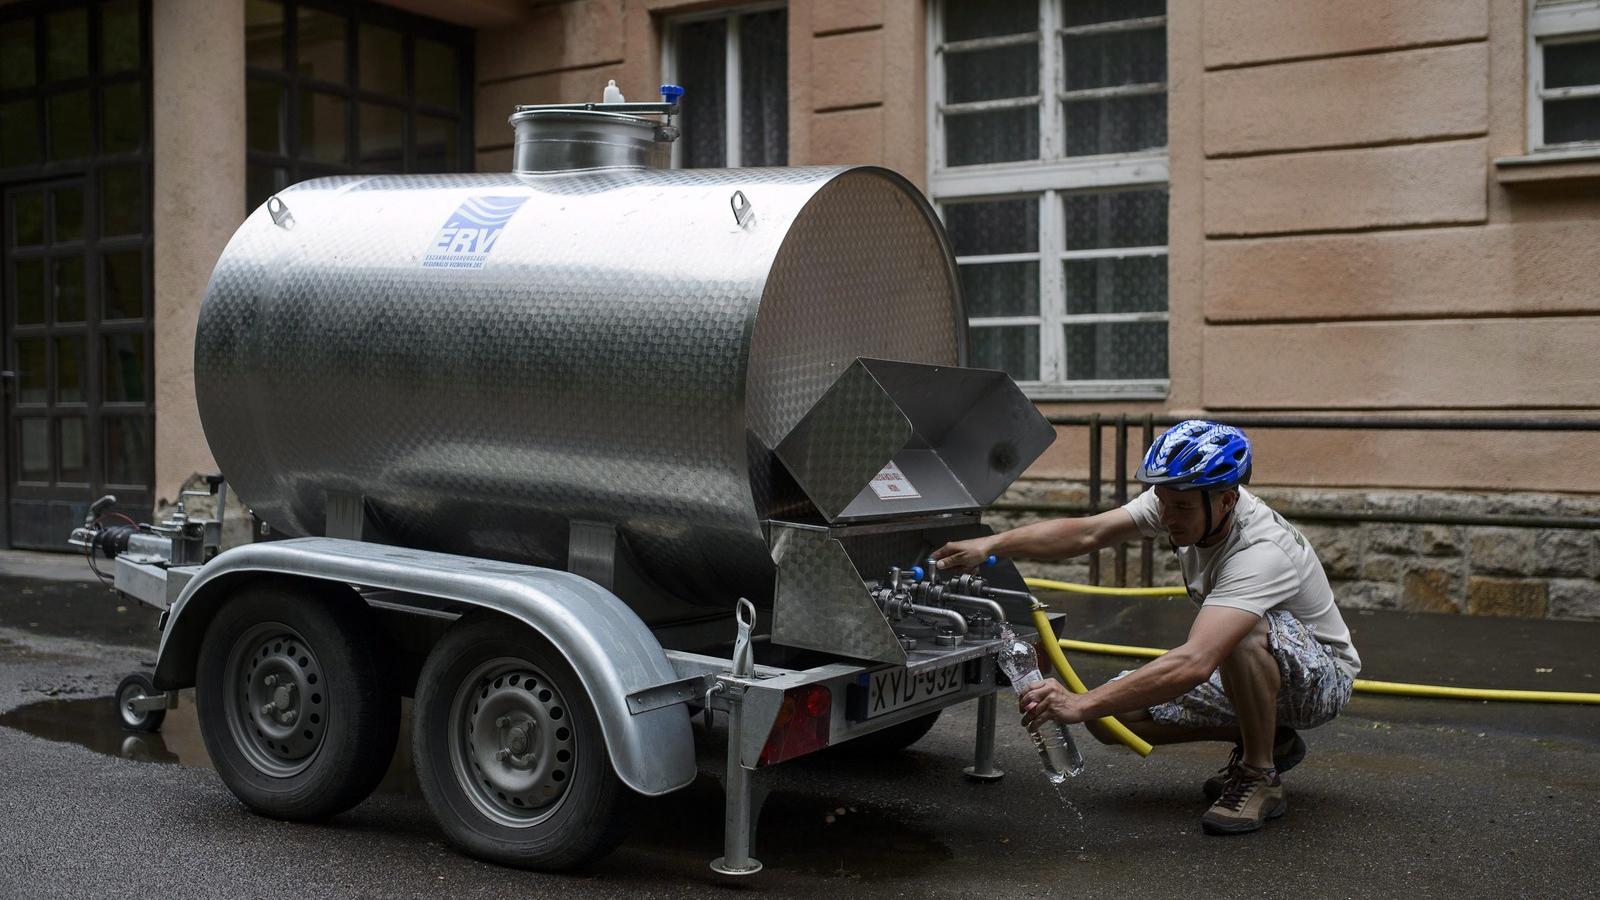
x=1205 y=499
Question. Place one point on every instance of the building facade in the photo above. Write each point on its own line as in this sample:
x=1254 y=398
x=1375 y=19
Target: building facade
x=1233 y=208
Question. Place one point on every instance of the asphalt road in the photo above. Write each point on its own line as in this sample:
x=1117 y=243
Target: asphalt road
x=1422 y=798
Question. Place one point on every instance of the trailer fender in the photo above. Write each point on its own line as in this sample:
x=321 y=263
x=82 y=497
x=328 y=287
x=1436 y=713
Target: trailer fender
x=609 y=647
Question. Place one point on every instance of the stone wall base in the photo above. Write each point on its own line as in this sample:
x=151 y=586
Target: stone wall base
x=1538 y=573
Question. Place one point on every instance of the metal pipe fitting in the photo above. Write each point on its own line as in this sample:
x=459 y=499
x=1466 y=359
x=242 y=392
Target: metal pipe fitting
x=988 y=606
x=956 y=620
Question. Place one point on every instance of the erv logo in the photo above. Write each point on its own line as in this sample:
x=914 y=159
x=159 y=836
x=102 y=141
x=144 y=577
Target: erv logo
x=471 y=232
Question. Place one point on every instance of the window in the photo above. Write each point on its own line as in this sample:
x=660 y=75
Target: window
x=1048 y=133
x=332 y=89
x=1564 y=75
x=734 y=70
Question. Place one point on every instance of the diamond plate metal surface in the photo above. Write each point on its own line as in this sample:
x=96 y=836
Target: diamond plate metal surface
x=822 y=603
x=627 y=354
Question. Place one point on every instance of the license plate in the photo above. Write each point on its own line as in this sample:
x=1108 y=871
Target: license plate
x=894 y=689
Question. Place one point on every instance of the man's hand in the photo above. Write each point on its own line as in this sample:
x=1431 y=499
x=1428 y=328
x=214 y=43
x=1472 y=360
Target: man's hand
x=968 y=554
x=1049 y=700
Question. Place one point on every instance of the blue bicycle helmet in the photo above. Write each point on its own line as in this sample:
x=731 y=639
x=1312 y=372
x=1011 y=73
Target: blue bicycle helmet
x=1197 y=455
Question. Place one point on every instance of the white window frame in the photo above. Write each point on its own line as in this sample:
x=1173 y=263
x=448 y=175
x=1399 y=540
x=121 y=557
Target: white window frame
x=1557 y=22
x=732 y=100
x=1049 y=179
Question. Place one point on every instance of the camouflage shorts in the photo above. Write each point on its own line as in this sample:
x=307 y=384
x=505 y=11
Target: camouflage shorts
x=1314 y=689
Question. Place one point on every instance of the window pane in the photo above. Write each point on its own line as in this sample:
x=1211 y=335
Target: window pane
x=1116 y=219
x=261 y=182
x=70 y=366
x=29 y=291
x=19 y=134
x=437 y=74
x=381 y=136
x=263 y=34
x=122 y=117
x=1090 y=12
x=68 y=272
x=120 y=48
x=122 y=285
x=17 y=61
x=1116 y=125
x=264 y=117
x=127 y=450
x=1113 y=58
x=702 y=51
x=1013 y=349
x=33 y=381
x=1000 y=289
x=993 y=226
x=74 y=450
x=124 y=368
x=121 y=201
x=438 y=145
x=67 y=117
x=382 y=60
x=1572 y=120
x=964 y=19
x=28 y=226
x=991 y=74
x=66 y=37
x=35 y=449
x=68 y=203
x=322 y=48
x=764 y=89
x=1116 y=350
x=322 y=126
x=987 y=137
x=1132 y=284
x=1571 y=65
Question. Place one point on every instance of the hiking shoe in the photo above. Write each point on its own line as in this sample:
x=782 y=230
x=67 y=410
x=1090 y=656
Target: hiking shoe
x=1248 y=800
x=1287 y=751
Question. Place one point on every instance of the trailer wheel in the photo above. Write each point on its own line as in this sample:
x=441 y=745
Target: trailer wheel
x=509 y=752
x=135 y=687
x=294 y=707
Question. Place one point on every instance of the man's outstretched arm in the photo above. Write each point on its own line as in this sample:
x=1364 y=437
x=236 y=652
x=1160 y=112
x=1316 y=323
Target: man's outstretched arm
x=1216 y=631
x=1051 y=539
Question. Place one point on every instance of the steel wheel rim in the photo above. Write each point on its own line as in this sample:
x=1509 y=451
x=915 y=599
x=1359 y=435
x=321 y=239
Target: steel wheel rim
x=275 y=699
x=129 y=694
x=512 y=743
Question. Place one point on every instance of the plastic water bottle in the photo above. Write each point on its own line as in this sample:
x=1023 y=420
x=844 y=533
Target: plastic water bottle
x=1056 y=748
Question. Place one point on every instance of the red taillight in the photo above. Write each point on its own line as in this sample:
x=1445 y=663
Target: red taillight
x=802 y=726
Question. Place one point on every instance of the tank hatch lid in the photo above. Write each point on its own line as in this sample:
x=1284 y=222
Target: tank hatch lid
x=890 y=439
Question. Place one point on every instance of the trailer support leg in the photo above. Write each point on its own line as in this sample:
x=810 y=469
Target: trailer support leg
x=736 y=818
x=983 y=767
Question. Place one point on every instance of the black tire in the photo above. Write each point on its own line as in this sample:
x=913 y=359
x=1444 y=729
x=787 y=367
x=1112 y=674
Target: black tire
x=327 y=747
x=889 y=740
x=473 y=696
x=132 y=688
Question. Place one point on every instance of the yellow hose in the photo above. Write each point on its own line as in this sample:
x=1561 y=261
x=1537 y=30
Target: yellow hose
x=1362 y=686
x=1059 y=660
x=1068 y=587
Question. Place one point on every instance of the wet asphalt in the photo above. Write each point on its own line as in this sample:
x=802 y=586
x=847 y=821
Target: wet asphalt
x=1426 y=798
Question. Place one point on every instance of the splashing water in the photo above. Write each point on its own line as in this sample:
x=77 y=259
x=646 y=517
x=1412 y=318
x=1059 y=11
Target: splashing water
x=1054 y=743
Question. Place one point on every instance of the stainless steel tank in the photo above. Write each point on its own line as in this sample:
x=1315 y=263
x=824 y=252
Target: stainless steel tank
x=487 y=359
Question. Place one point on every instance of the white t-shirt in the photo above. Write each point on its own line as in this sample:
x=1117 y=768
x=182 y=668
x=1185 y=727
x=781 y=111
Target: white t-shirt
x=1263 y=564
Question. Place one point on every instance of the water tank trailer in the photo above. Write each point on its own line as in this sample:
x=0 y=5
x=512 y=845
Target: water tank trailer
x=525 y=440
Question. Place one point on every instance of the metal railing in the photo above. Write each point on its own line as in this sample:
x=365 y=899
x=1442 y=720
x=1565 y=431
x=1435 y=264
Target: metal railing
x=1122 y=424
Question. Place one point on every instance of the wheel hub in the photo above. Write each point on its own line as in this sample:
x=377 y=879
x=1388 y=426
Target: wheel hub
x=515 y=746
x=277 y=714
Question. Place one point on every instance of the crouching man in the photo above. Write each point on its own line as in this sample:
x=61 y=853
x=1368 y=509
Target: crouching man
x=1268 y=654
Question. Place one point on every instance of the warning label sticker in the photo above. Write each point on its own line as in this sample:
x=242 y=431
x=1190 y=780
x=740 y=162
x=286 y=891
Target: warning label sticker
x=892 y=484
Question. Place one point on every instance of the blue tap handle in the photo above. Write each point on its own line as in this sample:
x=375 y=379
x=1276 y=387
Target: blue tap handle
x=991 y=561
x=671 y=94
x=918 y=572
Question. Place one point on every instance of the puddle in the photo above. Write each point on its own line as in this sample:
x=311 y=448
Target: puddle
x=796 y=831
x=93 y=723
